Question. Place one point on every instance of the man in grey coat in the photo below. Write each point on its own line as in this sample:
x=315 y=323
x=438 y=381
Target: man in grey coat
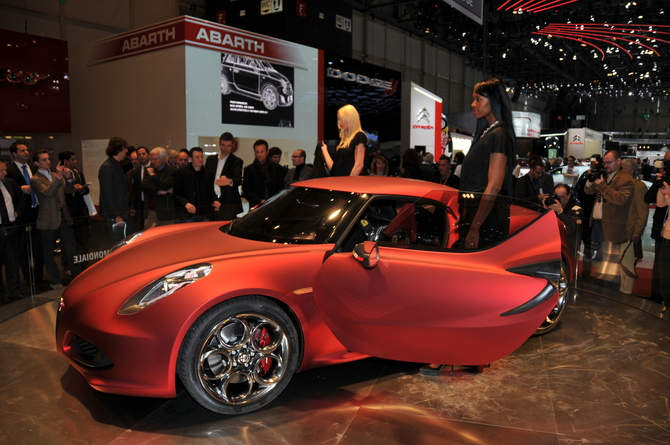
x=53 y=219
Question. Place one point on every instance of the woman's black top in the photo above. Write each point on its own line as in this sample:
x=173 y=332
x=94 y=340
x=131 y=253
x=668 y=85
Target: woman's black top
x=345 y=157
x=475 y=169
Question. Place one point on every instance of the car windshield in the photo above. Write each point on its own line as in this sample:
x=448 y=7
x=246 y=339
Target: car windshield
x=298 y=215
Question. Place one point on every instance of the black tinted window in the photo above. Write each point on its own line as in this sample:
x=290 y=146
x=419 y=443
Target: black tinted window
x=297 y=215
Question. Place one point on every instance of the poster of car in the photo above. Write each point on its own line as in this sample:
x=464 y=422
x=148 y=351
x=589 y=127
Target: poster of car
x=255 y=92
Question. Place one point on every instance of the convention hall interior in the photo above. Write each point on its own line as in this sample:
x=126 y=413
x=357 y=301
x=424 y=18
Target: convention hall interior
x=588 y=76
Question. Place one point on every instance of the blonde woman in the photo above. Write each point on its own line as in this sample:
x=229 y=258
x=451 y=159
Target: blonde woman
x=350 y=154
x=379 y=166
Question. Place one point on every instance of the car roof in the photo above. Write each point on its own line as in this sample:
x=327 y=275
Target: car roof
x=376 y=185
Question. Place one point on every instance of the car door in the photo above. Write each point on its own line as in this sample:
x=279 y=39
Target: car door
x=427 y=303
x=247 y=76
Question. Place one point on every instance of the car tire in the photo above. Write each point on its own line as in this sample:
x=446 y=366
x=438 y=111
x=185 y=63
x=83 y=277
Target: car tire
x=239 y=355
x=225 y=85
x=557 y=312
x=269 y=96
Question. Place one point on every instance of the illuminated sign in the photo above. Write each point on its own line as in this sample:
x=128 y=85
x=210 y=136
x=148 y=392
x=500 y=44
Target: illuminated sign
x=200 y=33
x=358 y=78
x=20 y=76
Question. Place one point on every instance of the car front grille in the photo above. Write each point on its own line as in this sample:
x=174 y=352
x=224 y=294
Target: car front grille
x=88 y=354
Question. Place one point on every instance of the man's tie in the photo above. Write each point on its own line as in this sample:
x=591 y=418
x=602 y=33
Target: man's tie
x=26 y=176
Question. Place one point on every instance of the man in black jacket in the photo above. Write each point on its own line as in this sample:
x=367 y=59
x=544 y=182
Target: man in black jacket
x=193 y=193
x=262 y=178
x=11 y=207
x=227 y=171
x=534 y=186
x=658 y=219
x=134 y=177
x=76 y=203
x=21 y=170
x=114 y=191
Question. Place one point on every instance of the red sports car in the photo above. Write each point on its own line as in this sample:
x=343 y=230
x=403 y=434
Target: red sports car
x=328 y=271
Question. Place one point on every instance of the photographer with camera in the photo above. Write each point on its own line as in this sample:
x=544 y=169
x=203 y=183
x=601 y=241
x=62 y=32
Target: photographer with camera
x=569 y=213
x=614 y=190
x=637 y=221
x=663 y=255
x=657 y=222
x=534 y=186
x=586 y=203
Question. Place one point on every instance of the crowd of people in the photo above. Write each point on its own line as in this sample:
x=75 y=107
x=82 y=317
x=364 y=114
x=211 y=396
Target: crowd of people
x=142 y=188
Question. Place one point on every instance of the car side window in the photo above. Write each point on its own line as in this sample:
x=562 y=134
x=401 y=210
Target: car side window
x=420 y=224
x=401 y=222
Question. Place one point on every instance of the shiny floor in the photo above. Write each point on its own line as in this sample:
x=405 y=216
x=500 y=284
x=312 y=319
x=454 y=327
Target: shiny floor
x=602 y=377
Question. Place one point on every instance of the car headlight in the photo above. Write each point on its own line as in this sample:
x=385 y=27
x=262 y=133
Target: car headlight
x=164 y=286
x=126 y=240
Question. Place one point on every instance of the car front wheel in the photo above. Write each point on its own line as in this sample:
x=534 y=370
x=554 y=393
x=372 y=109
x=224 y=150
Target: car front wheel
x=269 y=96
x=556 y=313
x=239 y=355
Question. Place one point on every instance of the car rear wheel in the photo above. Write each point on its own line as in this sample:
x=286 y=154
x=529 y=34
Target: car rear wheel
x=269 y=96
x=225 y=85
x=555 y=315
x=239 y=355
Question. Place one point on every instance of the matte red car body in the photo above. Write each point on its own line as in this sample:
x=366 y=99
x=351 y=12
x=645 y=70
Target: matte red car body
x=339 y=320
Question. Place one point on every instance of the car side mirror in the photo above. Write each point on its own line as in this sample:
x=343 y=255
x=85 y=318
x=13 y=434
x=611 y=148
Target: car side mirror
x=367 y=253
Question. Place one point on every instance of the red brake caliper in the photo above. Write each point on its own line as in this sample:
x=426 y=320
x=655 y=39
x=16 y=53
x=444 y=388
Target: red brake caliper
x=263 y=339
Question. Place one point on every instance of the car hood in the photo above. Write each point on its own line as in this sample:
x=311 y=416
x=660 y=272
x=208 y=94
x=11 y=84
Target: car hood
x=166 y=247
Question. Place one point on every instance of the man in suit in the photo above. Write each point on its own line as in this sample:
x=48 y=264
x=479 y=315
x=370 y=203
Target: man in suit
x=134 y=177
x=637 y=223
x=193 y=194
x=227 y=171
x=427 y=167
x=300 y=170
x=76 y=203
x=446 y=176
x=114 y=191
x=262 y=178
x=609 y=220
x=534 y=186
x=11 y=206
x=21 y=170
x=157 y=186
x=54 y=219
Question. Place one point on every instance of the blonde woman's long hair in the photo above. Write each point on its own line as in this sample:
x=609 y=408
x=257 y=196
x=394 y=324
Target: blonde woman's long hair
x=349 y=115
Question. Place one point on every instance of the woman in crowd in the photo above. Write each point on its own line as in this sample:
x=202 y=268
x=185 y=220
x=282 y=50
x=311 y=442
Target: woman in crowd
x=379 y=166
x=350 y=155
x=410 y=166
x=458 y=158
x=486 y=172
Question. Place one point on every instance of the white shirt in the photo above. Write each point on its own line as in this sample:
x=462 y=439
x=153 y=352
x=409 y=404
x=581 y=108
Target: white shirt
x=8 y=203
x=219 y=168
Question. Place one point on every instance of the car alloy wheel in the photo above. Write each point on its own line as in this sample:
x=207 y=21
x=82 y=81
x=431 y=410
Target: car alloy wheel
x=554 y=316
x=239 y=355
x=269 y=96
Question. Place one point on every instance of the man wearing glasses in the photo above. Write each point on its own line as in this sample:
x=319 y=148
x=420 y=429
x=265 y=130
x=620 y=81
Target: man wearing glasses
x=614 y=190
x=300 y=170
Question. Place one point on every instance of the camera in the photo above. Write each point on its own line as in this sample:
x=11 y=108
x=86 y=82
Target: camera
x=665 y=177
x=596 y=171
x=549 y=200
